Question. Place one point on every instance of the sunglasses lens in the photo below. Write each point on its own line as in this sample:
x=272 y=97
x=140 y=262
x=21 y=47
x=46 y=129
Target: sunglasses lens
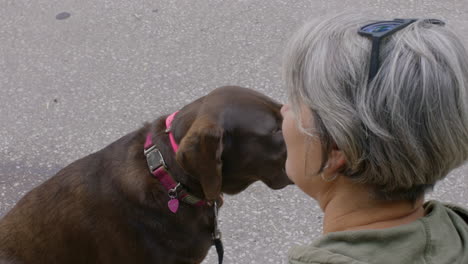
x=381 y=27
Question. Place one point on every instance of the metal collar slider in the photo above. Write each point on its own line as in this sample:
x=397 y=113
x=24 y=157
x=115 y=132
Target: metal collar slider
x=154 y=158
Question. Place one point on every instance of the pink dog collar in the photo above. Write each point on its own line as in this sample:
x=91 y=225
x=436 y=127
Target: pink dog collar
x=169 y=120
x=159 y=169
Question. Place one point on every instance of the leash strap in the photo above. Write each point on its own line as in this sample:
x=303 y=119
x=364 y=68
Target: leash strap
x=217 y=235
x=219 y=249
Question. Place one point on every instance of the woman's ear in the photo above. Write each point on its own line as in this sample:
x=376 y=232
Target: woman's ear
x=336 y=161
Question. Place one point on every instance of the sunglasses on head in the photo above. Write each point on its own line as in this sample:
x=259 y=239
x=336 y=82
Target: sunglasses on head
x=381 y=29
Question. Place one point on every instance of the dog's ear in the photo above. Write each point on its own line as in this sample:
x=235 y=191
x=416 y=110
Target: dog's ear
x=200 y=155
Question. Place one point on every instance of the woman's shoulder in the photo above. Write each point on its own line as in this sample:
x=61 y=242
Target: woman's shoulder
x=438 y=236
x=316 y=255
x=449 y=208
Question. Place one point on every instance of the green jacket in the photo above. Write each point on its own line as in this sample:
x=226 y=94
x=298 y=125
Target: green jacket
x=439 y=237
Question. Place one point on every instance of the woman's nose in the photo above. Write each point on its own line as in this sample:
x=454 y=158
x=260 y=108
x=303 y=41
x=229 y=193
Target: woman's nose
x=284 y=109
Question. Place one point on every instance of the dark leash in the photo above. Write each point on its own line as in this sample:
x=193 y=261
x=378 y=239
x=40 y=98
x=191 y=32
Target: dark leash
x=217 y=235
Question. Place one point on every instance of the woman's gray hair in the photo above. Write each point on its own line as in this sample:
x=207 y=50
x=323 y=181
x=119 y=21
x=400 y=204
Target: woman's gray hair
x=404 y=130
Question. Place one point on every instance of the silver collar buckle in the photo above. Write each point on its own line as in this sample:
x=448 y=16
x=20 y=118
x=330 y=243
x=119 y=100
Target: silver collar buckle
x=154 y=158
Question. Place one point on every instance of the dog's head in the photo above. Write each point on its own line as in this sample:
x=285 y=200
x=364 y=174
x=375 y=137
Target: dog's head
x=234 y=139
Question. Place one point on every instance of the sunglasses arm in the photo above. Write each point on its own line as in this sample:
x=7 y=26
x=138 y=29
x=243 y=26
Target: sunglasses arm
x=374 y=63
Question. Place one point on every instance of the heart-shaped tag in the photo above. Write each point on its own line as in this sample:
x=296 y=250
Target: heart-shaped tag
x=173 y=205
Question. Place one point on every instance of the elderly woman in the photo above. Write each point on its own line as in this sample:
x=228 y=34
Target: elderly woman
x=377 y=114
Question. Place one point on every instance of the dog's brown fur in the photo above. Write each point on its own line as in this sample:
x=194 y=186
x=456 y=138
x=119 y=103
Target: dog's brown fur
x=108 y=208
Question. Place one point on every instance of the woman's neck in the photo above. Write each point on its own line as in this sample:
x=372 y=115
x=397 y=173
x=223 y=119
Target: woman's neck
x=349 y=206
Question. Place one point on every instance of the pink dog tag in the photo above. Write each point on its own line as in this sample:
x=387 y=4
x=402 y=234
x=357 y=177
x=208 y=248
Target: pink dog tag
x=173 y=205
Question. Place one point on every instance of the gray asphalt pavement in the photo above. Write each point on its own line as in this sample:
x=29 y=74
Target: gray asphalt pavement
x=70 y=85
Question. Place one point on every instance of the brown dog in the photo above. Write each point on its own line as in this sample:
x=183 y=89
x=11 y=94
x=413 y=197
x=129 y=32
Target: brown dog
x=109 y=208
